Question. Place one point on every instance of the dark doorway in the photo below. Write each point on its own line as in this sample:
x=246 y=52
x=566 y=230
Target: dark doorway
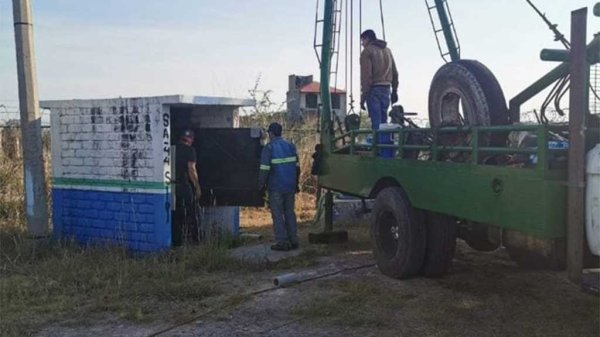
x=228 y=166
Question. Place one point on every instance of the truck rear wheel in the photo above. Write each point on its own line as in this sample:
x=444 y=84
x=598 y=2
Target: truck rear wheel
x=440 y=246
x=398 y=234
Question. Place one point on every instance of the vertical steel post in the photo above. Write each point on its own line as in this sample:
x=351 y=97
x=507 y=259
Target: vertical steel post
x=401 y=135
x=434 y=145
x=475 y=144
x=375 y=143
x=447 y=29
x=578 y=108
x=326 y=126
x=36 y=211
x=328 y=212
x=542 y=150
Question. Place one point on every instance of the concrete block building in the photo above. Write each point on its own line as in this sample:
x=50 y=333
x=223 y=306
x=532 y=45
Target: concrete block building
x=304 y=96
x=112 y=165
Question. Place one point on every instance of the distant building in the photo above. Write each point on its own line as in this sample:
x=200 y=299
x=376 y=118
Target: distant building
x=304 y=97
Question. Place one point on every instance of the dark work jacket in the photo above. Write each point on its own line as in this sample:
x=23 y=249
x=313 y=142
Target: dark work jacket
x=278 y=166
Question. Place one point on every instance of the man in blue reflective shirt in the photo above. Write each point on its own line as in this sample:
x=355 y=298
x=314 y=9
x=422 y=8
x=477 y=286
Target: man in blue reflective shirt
x=279 y=173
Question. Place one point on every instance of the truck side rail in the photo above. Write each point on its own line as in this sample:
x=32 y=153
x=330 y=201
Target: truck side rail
x=473 y=146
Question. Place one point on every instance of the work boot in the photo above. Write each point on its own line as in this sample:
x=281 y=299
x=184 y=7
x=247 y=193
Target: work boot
x=294 y=246
x=280 y=247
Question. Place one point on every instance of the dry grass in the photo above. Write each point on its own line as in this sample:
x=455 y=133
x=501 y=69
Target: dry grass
x=251 y=217
x=11 y=180
x=11 y=184
x=303 y=135
x=305 y=138
x=42 y=283
x=45 y=282
x=11 y=197
x=483 y=296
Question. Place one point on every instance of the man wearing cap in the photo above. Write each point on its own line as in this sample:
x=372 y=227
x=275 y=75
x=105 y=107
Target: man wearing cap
x=279 y=172
x=378 y=81
x=187 y=191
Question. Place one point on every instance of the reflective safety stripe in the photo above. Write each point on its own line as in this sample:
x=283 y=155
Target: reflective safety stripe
x=283 y=160
x=265 y=167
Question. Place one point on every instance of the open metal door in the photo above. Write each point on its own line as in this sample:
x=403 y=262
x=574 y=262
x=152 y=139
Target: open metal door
x=228 y=166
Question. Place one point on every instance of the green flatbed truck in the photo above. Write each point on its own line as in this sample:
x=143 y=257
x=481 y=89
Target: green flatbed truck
x=470 y=179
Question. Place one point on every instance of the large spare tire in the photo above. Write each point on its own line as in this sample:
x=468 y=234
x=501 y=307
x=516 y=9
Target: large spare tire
x=466 y=93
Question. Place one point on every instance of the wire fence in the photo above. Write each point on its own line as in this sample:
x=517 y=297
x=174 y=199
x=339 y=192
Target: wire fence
x=553 y=116
x=594 y=89
x=10 y=116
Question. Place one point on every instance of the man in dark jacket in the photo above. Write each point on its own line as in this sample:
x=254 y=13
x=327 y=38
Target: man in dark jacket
x=187 y=191
x=377 y=74
x=279 y=175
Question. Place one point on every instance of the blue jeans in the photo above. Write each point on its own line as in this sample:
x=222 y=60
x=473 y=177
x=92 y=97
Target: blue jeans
x=284 y=217
x=378 y=102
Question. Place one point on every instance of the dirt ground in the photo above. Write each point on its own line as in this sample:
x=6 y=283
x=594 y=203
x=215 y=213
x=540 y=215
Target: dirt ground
x=485 y=294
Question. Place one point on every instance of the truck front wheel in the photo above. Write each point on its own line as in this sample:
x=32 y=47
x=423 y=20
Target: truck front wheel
x=398 y=234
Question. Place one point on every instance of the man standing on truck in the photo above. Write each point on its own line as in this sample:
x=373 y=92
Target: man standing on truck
x=279 y=173
x=377 y=74
x=187 y=191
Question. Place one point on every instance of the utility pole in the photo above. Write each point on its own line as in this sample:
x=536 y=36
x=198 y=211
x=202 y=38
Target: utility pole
x=36 y=211
x=578 y=102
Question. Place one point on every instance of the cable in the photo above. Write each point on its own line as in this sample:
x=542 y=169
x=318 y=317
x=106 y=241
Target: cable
x=360 y=16
x=253 y=293
x=337 y=18
x=335 y=272
x=382 y=23
x=351 y=57
x=558 y=36
x=553 y=92
x=277 y=327
x=346 y=46
x=560 y=94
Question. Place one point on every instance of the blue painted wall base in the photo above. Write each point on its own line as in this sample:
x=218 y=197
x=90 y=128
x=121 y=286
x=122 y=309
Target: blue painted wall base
x=139 y=221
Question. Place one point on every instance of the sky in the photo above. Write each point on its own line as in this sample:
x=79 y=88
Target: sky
x=111 y=48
